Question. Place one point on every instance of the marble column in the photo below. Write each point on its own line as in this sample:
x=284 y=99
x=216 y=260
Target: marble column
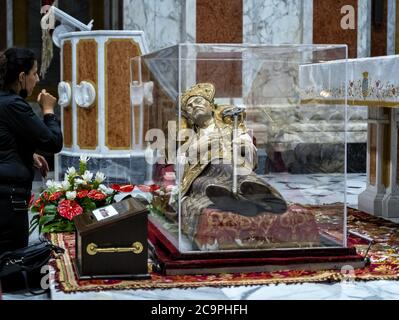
x=364 y=28
x=273 y=22
x=161 y=21
x=371 y=200
x=10 y=24
x=390 y=203
x=397 y=29
x=391 y=27
x=307 y=18
x=189 y=21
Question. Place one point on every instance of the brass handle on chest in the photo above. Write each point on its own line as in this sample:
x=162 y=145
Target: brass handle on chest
x=92 y=249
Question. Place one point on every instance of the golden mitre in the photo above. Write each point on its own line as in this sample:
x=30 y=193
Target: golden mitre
x=205 y=90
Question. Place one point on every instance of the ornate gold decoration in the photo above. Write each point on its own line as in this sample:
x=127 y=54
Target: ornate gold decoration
x=220 y=125
x=205 y=90
x=136 y=248
x=368 y=103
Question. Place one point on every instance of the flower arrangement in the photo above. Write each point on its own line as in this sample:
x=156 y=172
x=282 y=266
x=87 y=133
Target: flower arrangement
x=81 y=191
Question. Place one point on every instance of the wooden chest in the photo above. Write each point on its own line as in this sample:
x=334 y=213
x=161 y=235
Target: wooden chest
x=111 y=242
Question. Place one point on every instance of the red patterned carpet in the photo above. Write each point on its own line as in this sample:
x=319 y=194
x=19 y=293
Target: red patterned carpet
x=384 y=255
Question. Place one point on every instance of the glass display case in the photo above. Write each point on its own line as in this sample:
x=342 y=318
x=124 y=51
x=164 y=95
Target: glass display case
x=247 y=154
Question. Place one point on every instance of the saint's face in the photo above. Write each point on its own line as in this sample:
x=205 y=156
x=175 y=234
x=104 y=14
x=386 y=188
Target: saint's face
x=199 y=110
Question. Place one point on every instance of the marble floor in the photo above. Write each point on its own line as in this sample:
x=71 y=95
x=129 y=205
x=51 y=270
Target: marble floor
x=316 y=189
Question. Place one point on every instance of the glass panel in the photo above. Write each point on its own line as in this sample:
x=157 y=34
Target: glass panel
x=248 y=144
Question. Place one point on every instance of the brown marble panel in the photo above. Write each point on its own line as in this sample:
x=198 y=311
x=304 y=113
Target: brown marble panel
x=327 y=24
x=219 y=21
x=223 y=70
x=379 y=31
x=118 y=53
x=373 y=153
x=386 y=156
x=86 y=51
x=67 y=76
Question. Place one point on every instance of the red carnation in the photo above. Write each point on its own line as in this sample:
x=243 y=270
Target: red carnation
x=82 y=194
x=69 y=209
x=55 y=196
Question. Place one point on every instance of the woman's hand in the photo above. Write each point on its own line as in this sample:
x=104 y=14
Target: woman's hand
x=46 y=101
x=41 y=163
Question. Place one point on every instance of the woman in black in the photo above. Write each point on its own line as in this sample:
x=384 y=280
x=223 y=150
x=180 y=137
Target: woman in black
x=21 y=134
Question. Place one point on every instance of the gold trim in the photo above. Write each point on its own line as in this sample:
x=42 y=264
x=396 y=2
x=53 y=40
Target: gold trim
x=368 y=103
x=106 y=93
x=69 y=43
x=92 y=249
x=95 y=84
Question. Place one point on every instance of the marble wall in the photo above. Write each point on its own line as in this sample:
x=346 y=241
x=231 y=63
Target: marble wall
x=391 y=27
x=161 y=20
x=396 y=28
x=10 y=22
x=364 y=29
x=168 y=22
x=274 y=21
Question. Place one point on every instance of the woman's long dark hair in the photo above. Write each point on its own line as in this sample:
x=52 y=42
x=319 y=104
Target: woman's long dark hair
x=13 y=61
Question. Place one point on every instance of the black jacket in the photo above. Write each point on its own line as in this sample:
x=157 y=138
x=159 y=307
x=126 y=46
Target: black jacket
x=22 y=132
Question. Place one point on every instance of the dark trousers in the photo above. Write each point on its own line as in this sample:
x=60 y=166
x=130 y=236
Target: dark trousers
x=14 y=232
x=14 y=224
